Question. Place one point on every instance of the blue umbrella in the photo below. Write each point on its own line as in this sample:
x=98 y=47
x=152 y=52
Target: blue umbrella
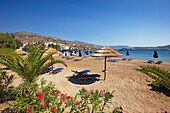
x=71 y=54
x=127 y=53
x=65 y=54
x=91 y=52
x=80 y=53
x=75 y=51
x=87 y=52
x=155 y=55
x=62 y=51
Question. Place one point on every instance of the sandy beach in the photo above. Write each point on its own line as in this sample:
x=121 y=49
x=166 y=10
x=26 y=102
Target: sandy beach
x=133 y=90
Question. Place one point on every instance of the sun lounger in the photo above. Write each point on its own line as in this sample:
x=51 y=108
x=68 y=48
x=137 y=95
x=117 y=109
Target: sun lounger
x=48 y=69
x=124 y=59
x=78 y=59
x=86 y=76
x=150 y=61
x=158 y=62
x=65 y=57
x=130 y=59
x=113 y=60
x=70 y=58
x=57 y=70
x=82 y=72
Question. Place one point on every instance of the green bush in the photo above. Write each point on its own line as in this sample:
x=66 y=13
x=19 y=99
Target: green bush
x=40 y=98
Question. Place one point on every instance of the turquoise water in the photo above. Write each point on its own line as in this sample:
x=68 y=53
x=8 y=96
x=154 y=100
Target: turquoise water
x=163 y=54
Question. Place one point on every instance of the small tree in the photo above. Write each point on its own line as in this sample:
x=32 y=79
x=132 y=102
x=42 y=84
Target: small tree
x=30 y=67
x=5 y=81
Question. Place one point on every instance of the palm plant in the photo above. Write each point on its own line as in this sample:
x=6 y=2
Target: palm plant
x=29 y=67
x=158 y=73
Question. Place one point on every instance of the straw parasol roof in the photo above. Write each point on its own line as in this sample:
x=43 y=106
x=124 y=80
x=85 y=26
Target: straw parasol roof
x=51 y=50
x=105 y=52
x=21 y=52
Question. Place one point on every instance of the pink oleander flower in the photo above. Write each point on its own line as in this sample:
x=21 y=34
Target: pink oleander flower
x=102 y=92
x=45 y=104
x=89 y=111
x=65 y=94
x=54 y=90
x=69 y=97
x=54 y=110
x=78 y=103
x=62 y=95
x=63 y=101
x=43 y=92
x=53 y=94
x=121 y=107
x=91 y=89
x=39 y=96
x=45 y=100
x=54 y=107
x=29 y=109
x=86 y=90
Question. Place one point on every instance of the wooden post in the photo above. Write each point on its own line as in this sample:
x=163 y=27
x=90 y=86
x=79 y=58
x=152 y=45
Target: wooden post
x=104 y=68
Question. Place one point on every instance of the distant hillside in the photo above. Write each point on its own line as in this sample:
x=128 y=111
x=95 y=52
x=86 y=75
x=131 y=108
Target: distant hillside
x=158 y=47
x=85 y=43
x=32 y=37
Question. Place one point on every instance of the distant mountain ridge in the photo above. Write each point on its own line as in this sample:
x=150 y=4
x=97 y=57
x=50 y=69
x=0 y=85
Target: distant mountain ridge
x=158 y=47
x=118 y=47
x=33 y=37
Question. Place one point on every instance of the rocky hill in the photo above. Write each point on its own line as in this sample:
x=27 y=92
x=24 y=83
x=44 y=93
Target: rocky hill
x=32 y=37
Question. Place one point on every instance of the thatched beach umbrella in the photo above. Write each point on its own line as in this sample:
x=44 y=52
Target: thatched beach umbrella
x=105 y=52
x=21 y=52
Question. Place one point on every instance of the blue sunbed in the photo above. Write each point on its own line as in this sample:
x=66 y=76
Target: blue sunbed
x=57 y=70
x=82 y=72
x=150 y=61
x=78 y=59
x=70 y=57
x=130 y=59
x=65 y=57
x=124 y=58
x=113 y=60
x=48 y=69
x=158 y=62
x=93 y=76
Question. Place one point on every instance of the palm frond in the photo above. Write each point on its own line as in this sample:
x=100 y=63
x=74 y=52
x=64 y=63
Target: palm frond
x=157 y=73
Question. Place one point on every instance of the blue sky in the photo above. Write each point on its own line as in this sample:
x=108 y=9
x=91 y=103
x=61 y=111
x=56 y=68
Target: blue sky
x=103 y=22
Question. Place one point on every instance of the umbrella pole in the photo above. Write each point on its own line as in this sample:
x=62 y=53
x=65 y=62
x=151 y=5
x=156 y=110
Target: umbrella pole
x=104 y=68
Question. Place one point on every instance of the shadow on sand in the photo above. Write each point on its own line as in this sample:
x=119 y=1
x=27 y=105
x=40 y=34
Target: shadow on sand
x=160 y=90
x=74 y=80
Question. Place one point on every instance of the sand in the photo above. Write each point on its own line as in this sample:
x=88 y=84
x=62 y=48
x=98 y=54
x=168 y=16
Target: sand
x=133 y=90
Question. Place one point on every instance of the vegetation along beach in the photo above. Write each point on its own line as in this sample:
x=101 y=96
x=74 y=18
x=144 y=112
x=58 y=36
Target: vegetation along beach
x=84 y=56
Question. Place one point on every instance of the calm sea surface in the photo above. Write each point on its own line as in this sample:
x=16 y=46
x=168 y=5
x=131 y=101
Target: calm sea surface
x=163 y=54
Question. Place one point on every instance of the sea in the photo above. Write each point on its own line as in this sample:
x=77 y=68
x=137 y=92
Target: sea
x=163 y=54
